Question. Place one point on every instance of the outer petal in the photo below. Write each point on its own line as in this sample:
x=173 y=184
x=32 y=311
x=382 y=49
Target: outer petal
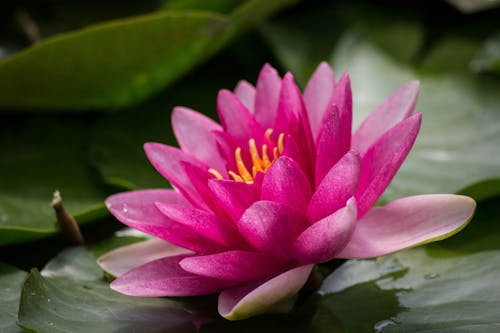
x=169 y=163
x=233 y=197
x=408 y=222
x=271 y=227
x=383 y=159
x=317 y=95
x=325 y=238
x=267 y=95
x=204 y=223
x=194 y=134
x=236 y=120
x=395 y=108
x=137 y=209
x=328 y=150
x=125 y=258
x=286 y=183
x=246 y=93
x=232 y=265
x=165 y=277
x=336 y=188
x=255 y=298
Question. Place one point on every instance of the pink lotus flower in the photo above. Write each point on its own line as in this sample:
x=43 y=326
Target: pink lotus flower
x=280 y=186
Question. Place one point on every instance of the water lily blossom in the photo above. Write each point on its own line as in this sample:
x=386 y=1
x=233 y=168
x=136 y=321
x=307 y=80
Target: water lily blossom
x=280 y=185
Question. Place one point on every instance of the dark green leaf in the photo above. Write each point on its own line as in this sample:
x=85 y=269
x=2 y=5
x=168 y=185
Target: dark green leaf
x=71 y=296
x=118 y=138
x=471 y=6
x=301 y=47
x=41 y=155
x=11 y=280
x=460 y=133
x=481 y=234
x=416 y=293
x=488 y=58
x=120 y=62
x=109 y=64
x=451 y=54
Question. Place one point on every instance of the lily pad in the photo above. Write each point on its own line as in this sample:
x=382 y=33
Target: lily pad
x=70 y=295
x=41 y=155
x=458 y=143
x=118 y=138
x=488 y=57
x=120 y=62
x=417 y=293
x=472 y=6
x=11 y=280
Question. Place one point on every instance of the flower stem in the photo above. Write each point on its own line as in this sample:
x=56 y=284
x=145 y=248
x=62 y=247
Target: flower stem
x=66 y=222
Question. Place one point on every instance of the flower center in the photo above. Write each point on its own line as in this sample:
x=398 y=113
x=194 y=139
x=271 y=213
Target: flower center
x=261 y=159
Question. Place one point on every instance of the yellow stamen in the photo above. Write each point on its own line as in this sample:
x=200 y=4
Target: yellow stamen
x=242 y=169
x=235 y=176
x=261 y=160
x=254 y=171
x=281 y=137
x=268 y=133
x=257 y=162
x=215 y=173
x=265 y=158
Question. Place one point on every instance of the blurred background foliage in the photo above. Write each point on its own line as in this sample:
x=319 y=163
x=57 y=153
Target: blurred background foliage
x=83 y=84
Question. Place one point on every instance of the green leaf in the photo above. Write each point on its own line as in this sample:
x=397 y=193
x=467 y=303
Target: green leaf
x=411 y=291
x=472 y=6
x=301 y=47
x=451 y=54
x=41 y=155
x=11 y=280
x=117 y=139
x=460 y=133
x=481 y=234
x=120 y=62
x=110 y=64
x=488 y=57
x=70 y=295
x=219 y=6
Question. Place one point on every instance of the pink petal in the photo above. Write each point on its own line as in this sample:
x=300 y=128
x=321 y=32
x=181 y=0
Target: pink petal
x=238 y=266
x=194 y=134
x=266 y=96
x=232 y=196
x=342 y=98
x=165 y=277
x=246 y=93
x=336 y=188
x=260 y=297
x=318 y=94
x=408 y=222
x=395 y=108
x=125 y=258
x=226 y=147
x=327 y=144
x=137 y=209
x=271 y=227
x=236 y=120
x=325 y=238
x=199 y=180
x=168 y=161
x=382 y=160
x=292 y=119
x=286 y=183
x=204 y=223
